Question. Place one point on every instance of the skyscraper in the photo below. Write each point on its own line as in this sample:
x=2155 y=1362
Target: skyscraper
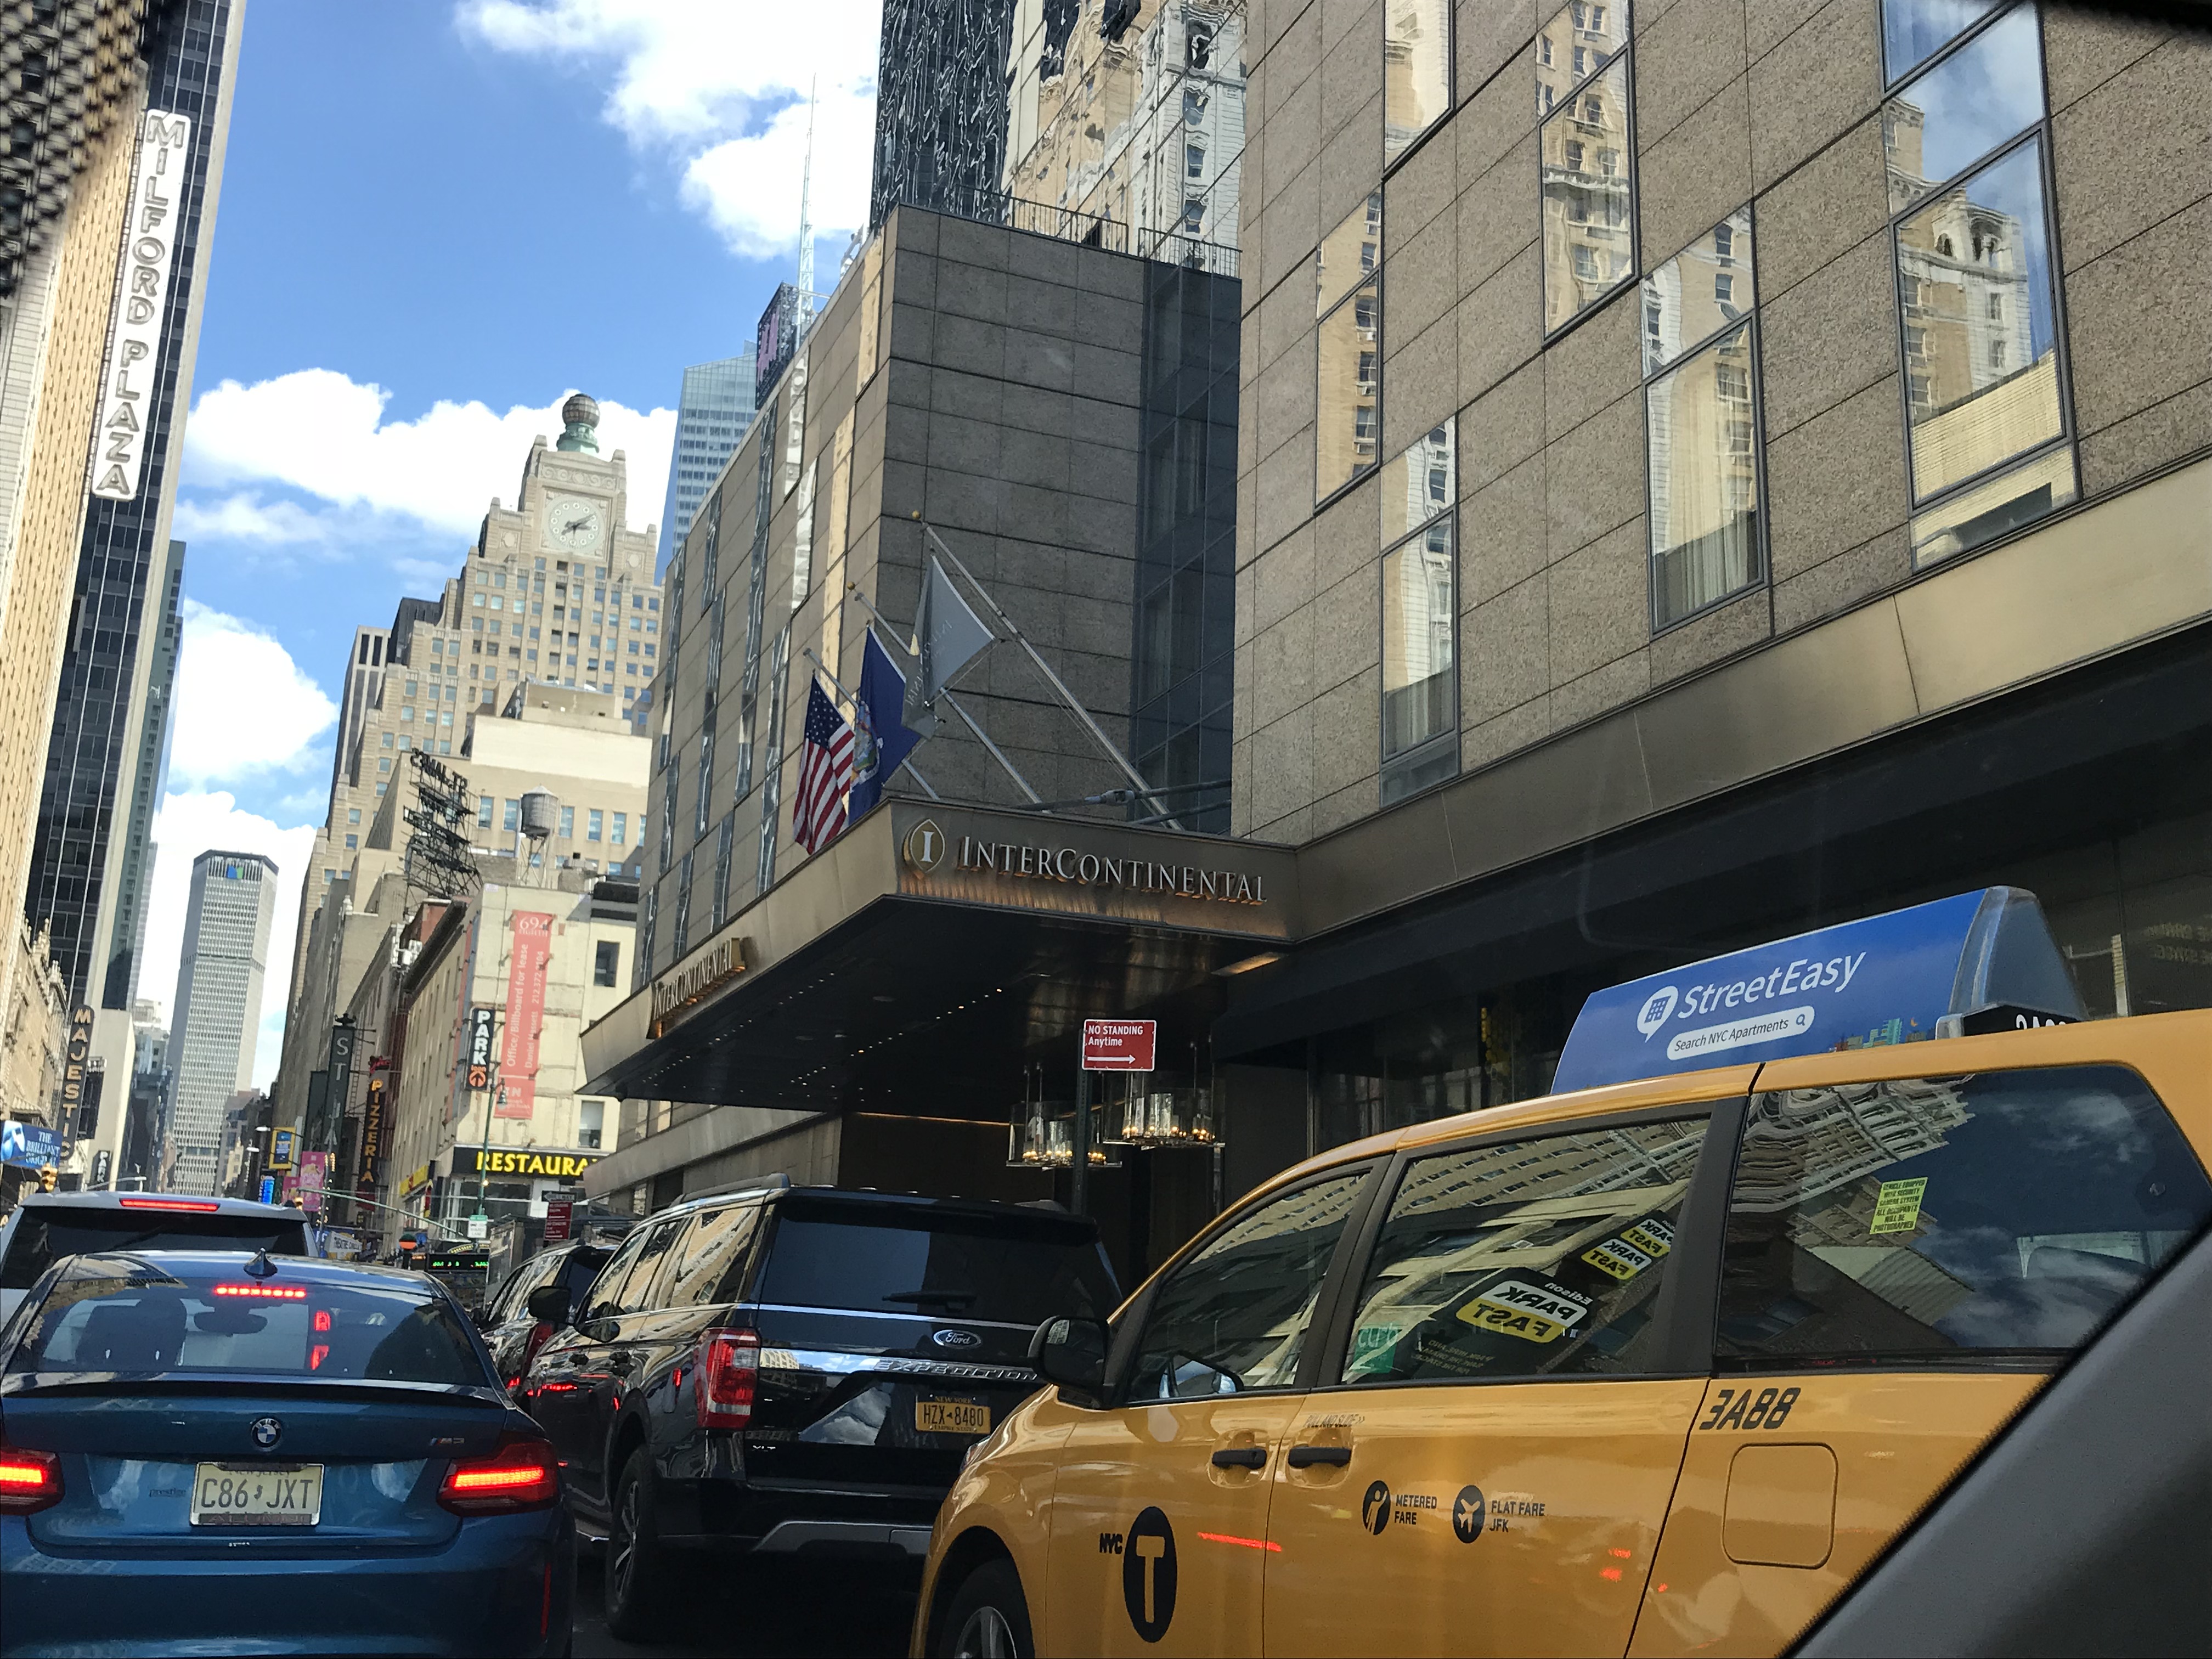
x=218 y=1011
x=941 y=108
x=148 y=780
x=85 y=807
x=711 y=415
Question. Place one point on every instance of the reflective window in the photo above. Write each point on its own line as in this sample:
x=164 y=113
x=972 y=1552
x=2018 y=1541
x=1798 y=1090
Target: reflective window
x=1528 y=1258
x=2007 y=1213
x=1588 y=211
x=1418 y=484
x=1419 y=689
x=1347 y=391
x=1983 y=511
x=1416 y=71
x=714 y=1245
x=1701 y=427
x=1578 y=40
x=1348 y=255
x=1913 y=31
x=1234 y=1316
x=1987 y=92
x=1981 y=353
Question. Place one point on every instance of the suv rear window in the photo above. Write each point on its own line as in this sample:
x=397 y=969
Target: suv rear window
x=122 y=1314
x=1950 y=1218
x=1015 y=1269
x=43 y=1236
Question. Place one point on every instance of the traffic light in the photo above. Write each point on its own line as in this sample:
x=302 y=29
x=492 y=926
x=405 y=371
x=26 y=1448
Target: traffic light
x=48 y=1175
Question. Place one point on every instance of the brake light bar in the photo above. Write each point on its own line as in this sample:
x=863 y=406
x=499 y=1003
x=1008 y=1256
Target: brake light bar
x=199 y=1206
x=29 y=1480
x=266 y=1292
x=521 y=1474
x=726 y=1377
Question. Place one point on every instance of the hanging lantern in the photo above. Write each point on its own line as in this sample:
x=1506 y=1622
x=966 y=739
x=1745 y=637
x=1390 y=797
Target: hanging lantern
x=1166 y=1115
x=1041 y=1136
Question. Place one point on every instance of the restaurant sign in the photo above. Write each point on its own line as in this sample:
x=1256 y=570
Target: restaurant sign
x=521 y=1161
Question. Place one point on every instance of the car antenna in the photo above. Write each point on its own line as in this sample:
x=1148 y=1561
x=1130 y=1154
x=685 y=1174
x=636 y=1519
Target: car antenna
x=261 y=1267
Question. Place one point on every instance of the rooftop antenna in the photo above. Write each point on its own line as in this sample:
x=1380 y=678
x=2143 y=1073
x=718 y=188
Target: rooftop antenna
x=807 y=216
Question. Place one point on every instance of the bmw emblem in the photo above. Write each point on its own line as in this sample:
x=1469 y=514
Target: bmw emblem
x=955 y=1339
x=267 y=1431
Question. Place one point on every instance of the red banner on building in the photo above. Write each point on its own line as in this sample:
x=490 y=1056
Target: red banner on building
x=526 y=1014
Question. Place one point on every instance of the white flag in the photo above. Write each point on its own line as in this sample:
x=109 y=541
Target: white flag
x=947 y=635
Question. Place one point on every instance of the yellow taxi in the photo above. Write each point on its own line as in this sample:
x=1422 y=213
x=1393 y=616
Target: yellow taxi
x=1654 y=1366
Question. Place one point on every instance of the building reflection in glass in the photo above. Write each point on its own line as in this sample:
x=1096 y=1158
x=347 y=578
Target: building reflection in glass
x=1417 y=53
x=1588 y=195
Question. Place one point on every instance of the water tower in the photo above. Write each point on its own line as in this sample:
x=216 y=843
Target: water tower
x=541 y=812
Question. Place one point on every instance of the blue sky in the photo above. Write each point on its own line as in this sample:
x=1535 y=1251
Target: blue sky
x=437 y=218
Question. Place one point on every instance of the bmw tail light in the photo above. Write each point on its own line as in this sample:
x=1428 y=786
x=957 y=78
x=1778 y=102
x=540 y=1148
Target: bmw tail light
x=522 y=1473
x=29 y=1480
x=728 y=1373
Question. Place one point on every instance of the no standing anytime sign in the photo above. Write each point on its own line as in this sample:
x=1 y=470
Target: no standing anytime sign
x=1119 y=1045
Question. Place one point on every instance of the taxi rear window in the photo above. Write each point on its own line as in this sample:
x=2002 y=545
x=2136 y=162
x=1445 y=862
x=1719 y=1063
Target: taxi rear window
x=1944 y=1219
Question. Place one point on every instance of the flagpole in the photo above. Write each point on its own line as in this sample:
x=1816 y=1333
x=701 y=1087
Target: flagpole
x=1097 y=732
x=981 y=735
x=907 y=764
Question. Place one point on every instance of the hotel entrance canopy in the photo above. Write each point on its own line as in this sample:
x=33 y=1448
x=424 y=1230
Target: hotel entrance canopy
x=915 y=961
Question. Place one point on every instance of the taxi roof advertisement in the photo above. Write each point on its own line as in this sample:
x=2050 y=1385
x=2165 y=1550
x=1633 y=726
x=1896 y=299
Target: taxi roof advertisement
x=1884 y=979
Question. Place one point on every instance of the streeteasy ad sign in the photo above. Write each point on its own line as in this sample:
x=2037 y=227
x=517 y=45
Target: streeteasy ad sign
x=1944 y=968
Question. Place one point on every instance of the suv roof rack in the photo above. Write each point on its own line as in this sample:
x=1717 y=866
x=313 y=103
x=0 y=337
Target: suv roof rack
x=775 y=1183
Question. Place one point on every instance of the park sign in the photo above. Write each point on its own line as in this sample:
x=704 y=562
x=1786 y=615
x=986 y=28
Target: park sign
x=1979 y=962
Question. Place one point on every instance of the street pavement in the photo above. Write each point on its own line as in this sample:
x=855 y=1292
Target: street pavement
x=857 y=1609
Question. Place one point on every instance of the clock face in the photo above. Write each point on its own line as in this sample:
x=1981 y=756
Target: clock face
x=574 y=524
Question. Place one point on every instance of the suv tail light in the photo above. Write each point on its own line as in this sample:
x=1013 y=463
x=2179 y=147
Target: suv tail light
x=29 y=1480
x=522 y=1473
x=729 y=1370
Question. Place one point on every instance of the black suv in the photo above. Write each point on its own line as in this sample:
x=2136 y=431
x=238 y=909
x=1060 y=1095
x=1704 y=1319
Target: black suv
x=512 y=1317
x=786 y=1370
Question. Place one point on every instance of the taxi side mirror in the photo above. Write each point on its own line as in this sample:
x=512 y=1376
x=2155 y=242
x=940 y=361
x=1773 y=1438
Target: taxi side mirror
x=1072 y=1352
x=548 y=1304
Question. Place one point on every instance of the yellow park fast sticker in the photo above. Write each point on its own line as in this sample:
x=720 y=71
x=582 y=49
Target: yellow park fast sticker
x=1897 y=1206
x=1654 y=1237
x=1513 y=1307
x=1618 y=1257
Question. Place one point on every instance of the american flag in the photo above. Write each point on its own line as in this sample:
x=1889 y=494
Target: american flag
x=825 y=771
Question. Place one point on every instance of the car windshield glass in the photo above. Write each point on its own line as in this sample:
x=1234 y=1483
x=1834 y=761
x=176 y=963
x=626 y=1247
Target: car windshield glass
x=43 y=1236
x=1012 y=1270
x=126 y=1314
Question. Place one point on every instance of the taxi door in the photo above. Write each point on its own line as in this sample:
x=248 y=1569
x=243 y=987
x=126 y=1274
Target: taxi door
x=1159 y=1515
x=1488 y=1470
x=1917 y=1237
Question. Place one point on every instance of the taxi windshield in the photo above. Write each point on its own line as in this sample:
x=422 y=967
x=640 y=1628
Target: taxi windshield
x=122 y=1313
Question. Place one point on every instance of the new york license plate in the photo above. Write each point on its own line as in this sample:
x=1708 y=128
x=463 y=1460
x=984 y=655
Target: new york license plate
x=951 y=1417
x=257 y=1495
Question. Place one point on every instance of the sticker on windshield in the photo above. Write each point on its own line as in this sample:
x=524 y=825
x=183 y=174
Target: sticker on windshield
x=1897 y=1206
x=1652 y=1235
x=1619 y=1258
x=1513 y=1307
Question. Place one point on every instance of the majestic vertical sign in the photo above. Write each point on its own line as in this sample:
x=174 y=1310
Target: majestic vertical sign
x=526 y=1013
x=77 y=1052
x=141 y=290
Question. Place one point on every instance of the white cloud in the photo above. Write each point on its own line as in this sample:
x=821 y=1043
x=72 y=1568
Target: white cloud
x=187 y=825
x=317 y=431
x=243 y=708
x=721 y=88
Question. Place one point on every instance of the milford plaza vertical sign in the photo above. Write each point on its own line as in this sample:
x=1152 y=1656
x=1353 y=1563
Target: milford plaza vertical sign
x=141 y=290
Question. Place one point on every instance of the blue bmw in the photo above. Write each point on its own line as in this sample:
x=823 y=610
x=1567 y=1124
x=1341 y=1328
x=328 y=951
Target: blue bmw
x=219 y=1453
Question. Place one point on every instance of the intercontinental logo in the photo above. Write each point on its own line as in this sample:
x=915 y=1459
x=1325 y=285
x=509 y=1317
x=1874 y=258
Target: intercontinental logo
x=924 y=848
x=677 y=994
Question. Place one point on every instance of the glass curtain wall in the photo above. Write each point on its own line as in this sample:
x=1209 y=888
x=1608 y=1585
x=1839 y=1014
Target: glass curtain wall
x=1416 y=71
x=1182 y=660
x=1967 y=152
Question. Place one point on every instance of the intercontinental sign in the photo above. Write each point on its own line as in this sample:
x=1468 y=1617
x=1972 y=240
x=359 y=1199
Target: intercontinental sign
x=676 y=993
x=927 y=847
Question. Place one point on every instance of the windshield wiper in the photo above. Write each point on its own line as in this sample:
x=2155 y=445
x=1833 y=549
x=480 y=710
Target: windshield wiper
x=947 y=1299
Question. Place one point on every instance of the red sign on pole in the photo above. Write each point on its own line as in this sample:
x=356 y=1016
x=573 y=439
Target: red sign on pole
x=1119 y=1045
x=557 y=1211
